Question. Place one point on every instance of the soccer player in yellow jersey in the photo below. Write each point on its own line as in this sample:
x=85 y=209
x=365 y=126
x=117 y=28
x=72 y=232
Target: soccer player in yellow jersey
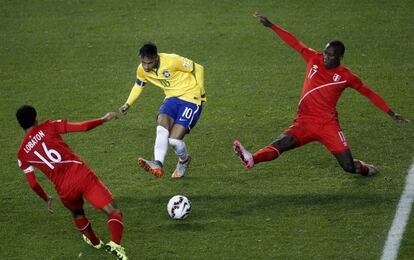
x=183 y=83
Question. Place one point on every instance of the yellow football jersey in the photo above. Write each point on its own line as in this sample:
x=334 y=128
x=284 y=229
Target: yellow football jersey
x=174 y=74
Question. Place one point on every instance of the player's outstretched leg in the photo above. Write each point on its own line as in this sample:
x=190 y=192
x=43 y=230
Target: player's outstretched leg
x=116 y=250
x=181 y=168
x=244 y=155
x=153 y=167
x=97 y=246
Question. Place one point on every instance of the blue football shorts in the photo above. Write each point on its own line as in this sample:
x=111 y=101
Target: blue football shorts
x=184 y=113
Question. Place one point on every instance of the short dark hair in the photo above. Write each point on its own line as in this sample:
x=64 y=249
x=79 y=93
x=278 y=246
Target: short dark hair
x=148 y=50
x=338 y=45
x=26 y=115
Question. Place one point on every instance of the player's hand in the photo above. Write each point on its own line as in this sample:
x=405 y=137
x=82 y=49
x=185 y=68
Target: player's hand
x=399 y=118
x=124 y=109
x=263 y=19
x=109 y=116
x=49 y=204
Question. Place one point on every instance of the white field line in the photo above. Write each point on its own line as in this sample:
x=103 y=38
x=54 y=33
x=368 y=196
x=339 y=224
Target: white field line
x=395 y=234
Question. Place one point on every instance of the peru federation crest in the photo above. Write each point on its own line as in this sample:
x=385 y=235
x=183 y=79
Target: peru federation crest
x=336 y=77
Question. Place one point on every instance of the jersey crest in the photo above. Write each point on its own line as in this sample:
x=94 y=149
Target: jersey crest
x=336 y=77
x=166 y=73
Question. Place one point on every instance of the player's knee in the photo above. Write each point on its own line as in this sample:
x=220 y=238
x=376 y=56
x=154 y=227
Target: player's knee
x=116 y=214
x=78 y=213
x=165 y=121
x=111 y=207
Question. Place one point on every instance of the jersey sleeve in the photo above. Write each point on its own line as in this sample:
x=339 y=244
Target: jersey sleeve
x=64 y=126
x=135 y=93
x=356 y=83
x=141 y=80
x=31 y=179
x=182 y=64
x=306 y=52
x=25 y=166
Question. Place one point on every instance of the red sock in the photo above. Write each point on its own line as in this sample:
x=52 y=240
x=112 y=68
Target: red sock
x=85 y=227
x=116 y=226
x=267 y=153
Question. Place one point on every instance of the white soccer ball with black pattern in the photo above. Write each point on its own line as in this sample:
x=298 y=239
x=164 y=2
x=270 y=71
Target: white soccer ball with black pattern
x=179 y=207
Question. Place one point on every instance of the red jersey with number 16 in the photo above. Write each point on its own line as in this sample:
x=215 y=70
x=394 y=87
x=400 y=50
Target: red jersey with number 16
x=323 y=87
x=44 y=148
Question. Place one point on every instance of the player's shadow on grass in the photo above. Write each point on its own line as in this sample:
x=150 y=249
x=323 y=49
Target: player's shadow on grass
x=303 y=204
x=191 y=224
x=215 y=207
x=300 y=203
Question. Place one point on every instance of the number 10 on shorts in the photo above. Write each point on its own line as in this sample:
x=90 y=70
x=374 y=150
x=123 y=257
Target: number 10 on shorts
x=188 y=112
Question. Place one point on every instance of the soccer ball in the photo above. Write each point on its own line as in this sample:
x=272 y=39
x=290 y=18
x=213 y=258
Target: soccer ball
x=179 y=207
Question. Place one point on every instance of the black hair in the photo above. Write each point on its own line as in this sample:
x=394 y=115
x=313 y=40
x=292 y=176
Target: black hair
x=26 y=116
x=338 y=45
x=148 y=50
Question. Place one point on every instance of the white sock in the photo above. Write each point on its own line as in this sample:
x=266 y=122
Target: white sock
x=179 y=148
x=161 y=144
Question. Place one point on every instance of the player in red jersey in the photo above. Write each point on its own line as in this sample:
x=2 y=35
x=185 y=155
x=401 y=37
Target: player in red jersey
x=43 y=148
x=317 y=118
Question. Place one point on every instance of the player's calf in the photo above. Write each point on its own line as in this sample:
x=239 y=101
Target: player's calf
x=267 y=153
x=349 y=166
x=116 y=225
x=84 y=226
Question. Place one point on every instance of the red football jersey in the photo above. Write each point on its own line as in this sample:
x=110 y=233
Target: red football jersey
x=323 y=87
x=44 y=148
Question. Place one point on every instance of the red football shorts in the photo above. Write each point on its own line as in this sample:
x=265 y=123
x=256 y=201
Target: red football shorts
x=83 y=183
x=326 y=131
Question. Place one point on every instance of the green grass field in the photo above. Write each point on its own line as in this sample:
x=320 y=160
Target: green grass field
x=77 y=60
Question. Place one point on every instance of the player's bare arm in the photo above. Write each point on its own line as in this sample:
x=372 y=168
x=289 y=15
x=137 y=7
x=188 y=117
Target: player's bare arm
x=397 y=117
x=263 y=20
